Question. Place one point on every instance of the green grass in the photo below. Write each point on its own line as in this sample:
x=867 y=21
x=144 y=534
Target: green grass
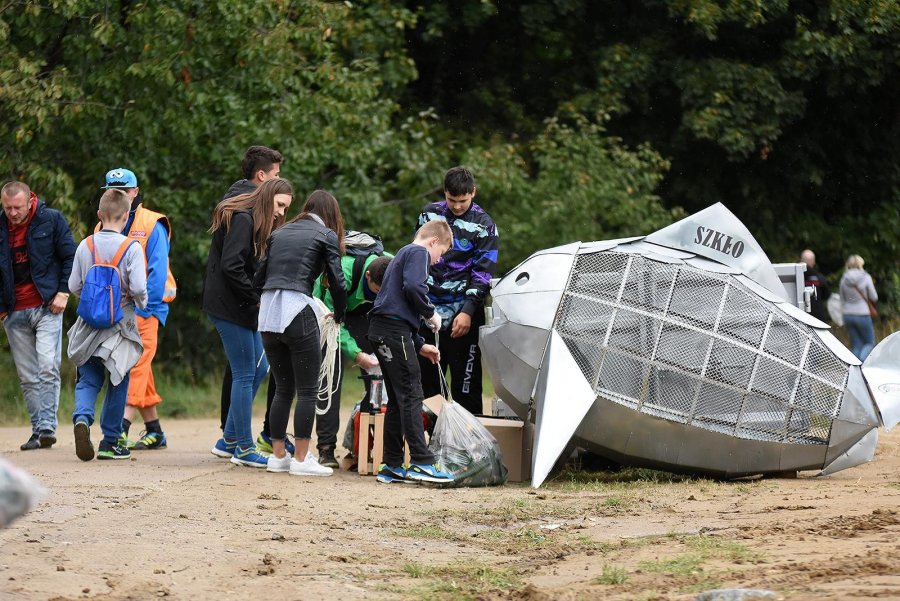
x=611 y=575
x=427 y=532
x=682 y=565
x=461 y=580
x=574 y=480
x=702 y=550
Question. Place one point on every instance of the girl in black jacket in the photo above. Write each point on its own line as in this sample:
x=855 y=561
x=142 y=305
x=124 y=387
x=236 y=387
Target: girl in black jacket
x=241 y=228
x=289 y=321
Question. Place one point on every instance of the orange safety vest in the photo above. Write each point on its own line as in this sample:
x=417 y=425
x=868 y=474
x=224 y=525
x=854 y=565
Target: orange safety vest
x=141 y=228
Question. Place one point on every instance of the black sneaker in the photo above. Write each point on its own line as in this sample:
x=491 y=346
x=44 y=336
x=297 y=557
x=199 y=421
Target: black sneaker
x=326 y=458
x=47 y=439
x=112 y=451
x=32 y=443
x=84 y=448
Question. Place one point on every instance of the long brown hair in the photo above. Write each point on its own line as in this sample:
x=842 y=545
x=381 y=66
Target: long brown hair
x=261 y=204
x=325 y=206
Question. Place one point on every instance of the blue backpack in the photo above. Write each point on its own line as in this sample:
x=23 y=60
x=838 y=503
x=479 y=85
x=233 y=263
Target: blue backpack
x=100 y=305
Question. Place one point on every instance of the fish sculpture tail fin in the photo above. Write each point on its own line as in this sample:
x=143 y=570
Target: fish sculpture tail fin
x=882 y=372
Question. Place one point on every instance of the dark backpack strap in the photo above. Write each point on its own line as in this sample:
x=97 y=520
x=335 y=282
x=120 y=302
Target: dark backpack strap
x=359 y=265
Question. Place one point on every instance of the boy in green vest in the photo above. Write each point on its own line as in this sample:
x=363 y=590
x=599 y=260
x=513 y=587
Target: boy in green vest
x=360 y=296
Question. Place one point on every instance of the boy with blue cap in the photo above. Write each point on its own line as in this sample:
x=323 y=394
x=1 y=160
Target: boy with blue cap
x=153 y=232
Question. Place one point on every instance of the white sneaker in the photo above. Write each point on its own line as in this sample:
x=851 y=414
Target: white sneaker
x=309 y=467
x=275 y=464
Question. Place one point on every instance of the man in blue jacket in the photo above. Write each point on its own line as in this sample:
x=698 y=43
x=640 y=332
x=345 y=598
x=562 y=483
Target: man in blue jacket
x=36 y=253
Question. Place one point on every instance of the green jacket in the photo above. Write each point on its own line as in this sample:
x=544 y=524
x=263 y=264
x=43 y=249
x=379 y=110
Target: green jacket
x=355 y=299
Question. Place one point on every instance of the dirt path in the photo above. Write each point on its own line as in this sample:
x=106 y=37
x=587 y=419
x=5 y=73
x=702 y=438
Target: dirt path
x=182 y=524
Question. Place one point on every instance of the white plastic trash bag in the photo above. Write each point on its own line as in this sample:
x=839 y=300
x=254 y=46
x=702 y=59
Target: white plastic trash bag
x=463 y=447
x=835 y=309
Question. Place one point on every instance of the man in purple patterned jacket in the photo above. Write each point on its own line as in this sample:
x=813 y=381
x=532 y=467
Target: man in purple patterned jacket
x=457 y=286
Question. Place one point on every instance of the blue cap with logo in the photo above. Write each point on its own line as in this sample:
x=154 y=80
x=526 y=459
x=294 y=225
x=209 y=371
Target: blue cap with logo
x=120 y=178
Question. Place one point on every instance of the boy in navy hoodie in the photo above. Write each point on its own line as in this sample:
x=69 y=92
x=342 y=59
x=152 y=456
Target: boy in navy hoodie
x=393 y=332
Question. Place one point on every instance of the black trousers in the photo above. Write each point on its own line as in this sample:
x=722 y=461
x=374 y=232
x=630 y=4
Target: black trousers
x=294 y=358
x=463 y=358
x=327 y=424
x=392 y=340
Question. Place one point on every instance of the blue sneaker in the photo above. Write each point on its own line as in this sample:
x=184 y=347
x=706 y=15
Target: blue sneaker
x=148 y=441
x=250 y=457
x=264 y=444
x=428 y=473
x=389 y=475
x=224 y=448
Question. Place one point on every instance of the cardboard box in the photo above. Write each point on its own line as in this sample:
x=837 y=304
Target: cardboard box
x=514 y=436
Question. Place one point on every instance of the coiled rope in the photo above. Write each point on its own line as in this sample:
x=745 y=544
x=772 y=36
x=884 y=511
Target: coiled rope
x=330 y=370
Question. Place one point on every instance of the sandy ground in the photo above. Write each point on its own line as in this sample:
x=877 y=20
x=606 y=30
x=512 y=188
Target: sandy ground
x=182 y=524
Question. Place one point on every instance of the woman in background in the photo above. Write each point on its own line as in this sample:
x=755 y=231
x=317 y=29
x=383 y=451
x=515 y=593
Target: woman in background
x=856 y=289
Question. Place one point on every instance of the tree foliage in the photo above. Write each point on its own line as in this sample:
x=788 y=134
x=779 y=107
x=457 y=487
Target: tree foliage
x=176 y=91
x=784 y=111
x=584 y=119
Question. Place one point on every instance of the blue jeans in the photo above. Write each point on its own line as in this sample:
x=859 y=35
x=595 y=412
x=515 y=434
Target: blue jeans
x=35 y=340
x=862 y=334
x=91 y=377
x=244 y=350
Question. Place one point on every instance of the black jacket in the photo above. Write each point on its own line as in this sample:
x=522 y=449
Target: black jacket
x=242 y=186
x=298 y=254
x=228 y=291
x=51 y=250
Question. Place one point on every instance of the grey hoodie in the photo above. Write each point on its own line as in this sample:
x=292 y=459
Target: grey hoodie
x=855 y=283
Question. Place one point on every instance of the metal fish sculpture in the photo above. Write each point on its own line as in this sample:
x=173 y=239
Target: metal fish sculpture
x=681 y=351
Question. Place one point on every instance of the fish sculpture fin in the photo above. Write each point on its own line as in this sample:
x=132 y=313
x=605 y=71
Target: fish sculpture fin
x=563 y=397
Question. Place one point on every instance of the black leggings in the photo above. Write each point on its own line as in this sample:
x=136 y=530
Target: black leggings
x=294 y=358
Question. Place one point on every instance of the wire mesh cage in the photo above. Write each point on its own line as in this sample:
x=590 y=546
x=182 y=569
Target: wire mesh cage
x=698 y=348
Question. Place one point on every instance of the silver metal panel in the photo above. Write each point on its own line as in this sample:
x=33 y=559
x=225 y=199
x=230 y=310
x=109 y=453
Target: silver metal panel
x=857 y=405
x=834 y=345
x=862 y=452
x=619 y=433
x=534 y=309
x=717 y=234
x=537 y=273
x=761 y=291
x=792 y=276
x=513 y=379
x=592 y=247
x=665 y=250
x=712 y=266
x=655 y=251
x=880 y=371
x=802 y=316
x=844 y=436
x=529 y=342
x=562 y=398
